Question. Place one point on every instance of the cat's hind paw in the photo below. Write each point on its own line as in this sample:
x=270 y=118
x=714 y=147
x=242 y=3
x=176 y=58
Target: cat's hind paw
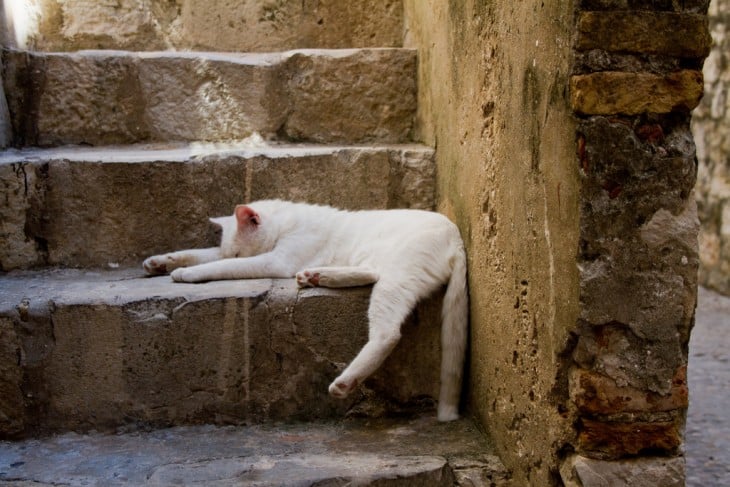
x=447 y=412
x=307 y=278
x=341 y=388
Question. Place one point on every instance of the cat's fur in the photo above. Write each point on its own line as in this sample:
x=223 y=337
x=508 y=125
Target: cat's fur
x=407 y=254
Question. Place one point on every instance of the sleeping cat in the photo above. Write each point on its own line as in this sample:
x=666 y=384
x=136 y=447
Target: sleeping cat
x=406 y=254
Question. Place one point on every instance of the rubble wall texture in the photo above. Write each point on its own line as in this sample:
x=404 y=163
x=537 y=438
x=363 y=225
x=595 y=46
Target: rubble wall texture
x=637 y=75
x=711 y=128
x=565 y=154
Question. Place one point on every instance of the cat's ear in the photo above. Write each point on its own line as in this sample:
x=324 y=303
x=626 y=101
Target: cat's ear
x=246 y=216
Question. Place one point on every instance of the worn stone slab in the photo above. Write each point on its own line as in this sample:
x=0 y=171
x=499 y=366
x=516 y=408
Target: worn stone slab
x=580 y=471
x=77 y=206
x=354 y=452
x=664 y=33
x=115 y=97
x=613 y=92
x=100 y=350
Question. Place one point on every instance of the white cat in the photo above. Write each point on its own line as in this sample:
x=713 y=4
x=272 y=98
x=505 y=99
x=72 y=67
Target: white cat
x=407 y=254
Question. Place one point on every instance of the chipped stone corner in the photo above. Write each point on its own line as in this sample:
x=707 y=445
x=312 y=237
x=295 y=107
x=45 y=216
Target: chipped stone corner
x=477 y=472
x=580 y=471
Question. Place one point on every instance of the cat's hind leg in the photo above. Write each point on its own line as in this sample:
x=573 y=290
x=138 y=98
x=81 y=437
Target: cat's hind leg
x=165 y=263
x=336 y=277
x=390 y=305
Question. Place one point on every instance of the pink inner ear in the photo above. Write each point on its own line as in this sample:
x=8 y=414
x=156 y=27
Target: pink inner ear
x=245 y=215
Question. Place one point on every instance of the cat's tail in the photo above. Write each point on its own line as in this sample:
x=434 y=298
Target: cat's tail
x=455 y=315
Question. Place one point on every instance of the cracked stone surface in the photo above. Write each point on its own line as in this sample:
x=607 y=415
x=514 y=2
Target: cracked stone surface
x=418 y=452
x=108 y=349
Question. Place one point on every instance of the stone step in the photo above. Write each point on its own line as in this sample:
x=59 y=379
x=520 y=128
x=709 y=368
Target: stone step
x=87 y=206
x=118 y=97
x=416 y=452
x=245 y=25
x=83 y=349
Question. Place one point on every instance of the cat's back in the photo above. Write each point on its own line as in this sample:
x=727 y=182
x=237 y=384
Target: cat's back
x=289 y=216
x=403 y=222
x=361 y=225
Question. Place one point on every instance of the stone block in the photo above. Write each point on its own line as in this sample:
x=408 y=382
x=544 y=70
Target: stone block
x=357 y=97
x=127 y=351
x=645 y=32
x=21 y=189
x=93 y=207
x=612 y=92
x=579 y=471
x=594 y=393
x=116 y=97
x=617 y=440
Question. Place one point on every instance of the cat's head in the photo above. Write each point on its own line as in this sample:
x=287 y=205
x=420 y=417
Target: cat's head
x=243 y=234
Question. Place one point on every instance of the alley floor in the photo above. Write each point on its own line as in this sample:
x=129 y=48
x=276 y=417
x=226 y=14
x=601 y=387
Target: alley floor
x=707 y=441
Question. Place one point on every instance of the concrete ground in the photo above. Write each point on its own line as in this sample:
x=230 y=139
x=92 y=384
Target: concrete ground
x=416 y=452
x=707 y=440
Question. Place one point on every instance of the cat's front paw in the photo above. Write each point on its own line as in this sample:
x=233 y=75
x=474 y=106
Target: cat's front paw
x=341 y=388
x=156 y=265
x=183 y=274
x=307 y=278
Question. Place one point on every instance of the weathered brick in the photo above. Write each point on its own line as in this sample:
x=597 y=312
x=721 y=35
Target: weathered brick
x=617 y=440
x=613 y=92
x=594 y=393
x=665 y=33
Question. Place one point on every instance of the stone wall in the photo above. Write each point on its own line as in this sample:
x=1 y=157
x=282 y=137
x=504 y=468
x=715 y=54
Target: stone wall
x=565 y=155
x=494 y=102
x=711 y=128
x=636 y=77
x=240 y=25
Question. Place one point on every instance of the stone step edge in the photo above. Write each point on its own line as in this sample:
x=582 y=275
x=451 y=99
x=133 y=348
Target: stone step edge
x=359 y=451
x=245 y=58
x=249 y=147
x=118 y=286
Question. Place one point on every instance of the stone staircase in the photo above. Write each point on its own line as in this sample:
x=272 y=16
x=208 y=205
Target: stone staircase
x=121 y=155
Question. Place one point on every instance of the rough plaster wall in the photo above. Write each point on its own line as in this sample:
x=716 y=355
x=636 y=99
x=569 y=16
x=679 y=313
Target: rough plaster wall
x=493 y=79
x=711 y=129
x=223 y=25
